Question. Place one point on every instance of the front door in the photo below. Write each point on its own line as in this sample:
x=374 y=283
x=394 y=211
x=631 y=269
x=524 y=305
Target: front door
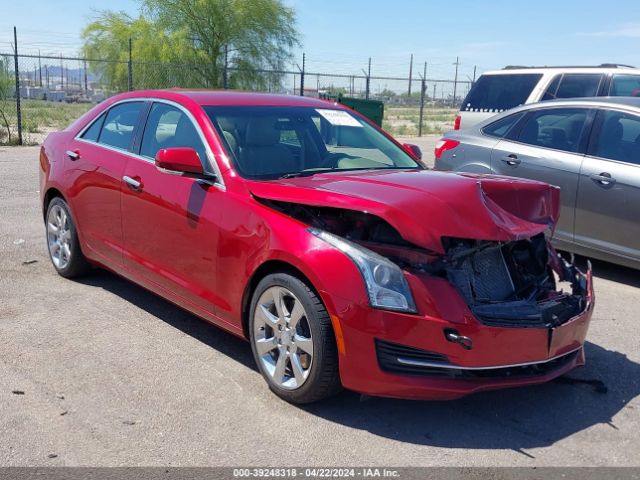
x=170 y=222
x=608 y=206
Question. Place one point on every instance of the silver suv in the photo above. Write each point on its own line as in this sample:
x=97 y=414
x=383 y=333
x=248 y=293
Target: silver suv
x=500 y=90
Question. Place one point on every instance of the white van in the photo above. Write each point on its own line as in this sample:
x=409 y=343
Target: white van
x=501 y=90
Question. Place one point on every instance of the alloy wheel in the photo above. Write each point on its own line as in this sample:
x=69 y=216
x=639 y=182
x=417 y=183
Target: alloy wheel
x=283 y=338
x=59 y=237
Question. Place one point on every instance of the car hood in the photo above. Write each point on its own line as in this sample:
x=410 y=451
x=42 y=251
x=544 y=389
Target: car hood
x=425 y=206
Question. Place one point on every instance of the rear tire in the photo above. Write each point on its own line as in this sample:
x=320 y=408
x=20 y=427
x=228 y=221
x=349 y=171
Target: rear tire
x=292 y=340
x=62 y=241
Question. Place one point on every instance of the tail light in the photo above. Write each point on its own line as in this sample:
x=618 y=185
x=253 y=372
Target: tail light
x=456 y=123
x=443 y=145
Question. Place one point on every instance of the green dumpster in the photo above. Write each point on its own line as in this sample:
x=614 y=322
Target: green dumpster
x=372 y=109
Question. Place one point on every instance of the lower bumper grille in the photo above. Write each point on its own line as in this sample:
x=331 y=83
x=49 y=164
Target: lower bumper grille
x=412 y=361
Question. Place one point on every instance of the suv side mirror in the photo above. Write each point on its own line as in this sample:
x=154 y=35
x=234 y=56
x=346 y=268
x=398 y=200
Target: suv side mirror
x=179 y=159
x=413 y=150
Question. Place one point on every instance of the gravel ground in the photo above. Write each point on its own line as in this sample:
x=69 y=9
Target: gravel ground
x=100 y=372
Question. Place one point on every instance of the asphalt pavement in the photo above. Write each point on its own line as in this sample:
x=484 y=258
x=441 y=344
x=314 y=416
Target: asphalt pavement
x=100 y=372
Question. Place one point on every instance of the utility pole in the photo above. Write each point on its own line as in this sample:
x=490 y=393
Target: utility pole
x=410 y=75
x=474 y=75
x=130 y=65
x=61 y=75
x=455 y=81
x=17 y=73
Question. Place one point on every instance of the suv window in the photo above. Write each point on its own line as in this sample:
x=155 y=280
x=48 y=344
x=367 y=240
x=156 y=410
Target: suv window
x=169 y=127
x=625 y=86
x=572 y=85
x=502 y=127
x=119 y=124
x=557 y=128
x=495 y=93
x=618 y=137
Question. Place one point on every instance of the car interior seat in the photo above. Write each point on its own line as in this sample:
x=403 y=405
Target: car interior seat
x=262 y=153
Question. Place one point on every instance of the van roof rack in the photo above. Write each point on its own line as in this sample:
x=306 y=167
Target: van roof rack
x=603 y=65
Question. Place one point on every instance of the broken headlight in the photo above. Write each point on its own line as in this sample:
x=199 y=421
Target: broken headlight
x=386 y=286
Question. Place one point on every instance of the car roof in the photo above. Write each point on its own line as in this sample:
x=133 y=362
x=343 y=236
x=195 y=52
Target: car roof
x=632 y=102
x=554 y=70
x=228 y=97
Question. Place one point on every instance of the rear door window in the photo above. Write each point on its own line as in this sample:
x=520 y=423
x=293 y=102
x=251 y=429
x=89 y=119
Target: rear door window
x=617 y=137
x=557 y=128
x=573 y=85
x=495 y=93
x=119 y=125
x=502 y=127
x=625 y=86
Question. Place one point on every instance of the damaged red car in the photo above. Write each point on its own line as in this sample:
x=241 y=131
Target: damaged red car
x=300 y=226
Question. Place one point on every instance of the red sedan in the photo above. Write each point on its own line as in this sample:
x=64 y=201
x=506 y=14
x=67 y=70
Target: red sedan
x=297 y=224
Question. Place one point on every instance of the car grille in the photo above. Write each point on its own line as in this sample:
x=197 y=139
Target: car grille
x=412 y=361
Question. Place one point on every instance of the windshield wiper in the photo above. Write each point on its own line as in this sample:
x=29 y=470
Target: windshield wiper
x=313 y=171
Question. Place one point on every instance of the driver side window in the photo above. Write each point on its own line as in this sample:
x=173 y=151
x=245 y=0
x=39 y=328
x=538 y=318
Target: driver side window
x=169 y=127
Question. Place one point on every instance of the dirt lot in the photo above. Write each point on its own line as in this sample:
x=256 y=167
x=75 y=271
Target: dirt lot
x=101 y=372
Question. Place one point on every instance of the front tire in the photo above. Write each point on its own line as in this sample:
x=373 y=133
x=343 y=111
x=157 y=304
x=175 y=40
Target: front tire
x=292 y=340
x=62 y=241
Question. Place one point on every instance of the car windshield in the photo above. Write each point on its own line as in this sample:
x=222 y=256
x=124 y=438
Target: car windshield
x=268 y=142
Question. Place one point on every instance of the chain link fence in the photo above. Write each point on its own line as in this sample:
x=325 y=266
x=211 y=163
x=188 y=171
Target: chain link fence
x=50 y=92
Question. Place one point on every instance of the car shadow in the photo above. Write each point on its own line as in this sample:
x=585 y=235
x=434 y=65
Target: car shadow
x=516 y=419
x=224 y=342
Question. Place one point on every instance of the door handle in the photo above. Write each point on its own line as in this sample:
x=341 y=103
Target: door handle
x=73 y=154
x=603 y=178
x=511 y=159
x=133 y=183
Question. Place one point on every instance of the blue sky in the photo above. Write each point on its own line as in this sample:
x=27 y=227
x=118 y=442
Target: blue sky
x=340 y=35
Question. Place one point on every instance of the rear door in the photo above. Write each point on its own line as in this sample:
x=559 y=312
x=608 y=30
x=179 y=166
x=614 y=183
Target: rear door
x=103 y=150
x=547 y=145
x=608 y=204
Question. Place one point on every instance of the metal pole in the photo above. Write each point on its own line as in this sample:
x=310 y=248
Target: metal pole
x=302 y=76
x=474 y=74
x=86 y=84
x=225 y=73
x=410 y=75
x=455 y=81
x=129 y=65
x=17 y=73
x=423 y=90
x=368 y=80
x=40 y=68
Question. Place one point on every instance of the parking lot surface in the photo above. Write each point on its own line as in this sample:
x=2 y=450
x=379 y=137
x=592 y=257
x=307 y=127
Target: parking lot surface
x=99 y=372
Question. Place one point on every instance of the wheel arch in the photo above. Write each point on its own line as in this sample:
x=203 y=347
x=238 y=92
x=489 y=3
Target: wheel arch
x=50 y=194
x=264 y=269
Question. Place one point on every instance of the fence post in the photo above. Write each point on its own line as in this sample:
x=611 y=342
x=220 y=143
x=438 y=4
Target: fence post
x=17 y=73
x=225 y=72
x=302 y=76
x=422 y=92
x=130 y=72
x=366 y=95
x=455 y=81
x=410 y=77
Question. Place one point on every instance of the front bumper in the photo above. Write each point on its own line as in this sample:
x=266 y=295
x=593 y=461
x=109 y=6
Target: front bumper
x=408 y=356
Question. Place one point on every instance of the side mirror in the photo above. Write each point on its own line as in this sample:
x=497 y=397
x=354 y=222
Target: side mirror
x=179 y=159
x=413 y=150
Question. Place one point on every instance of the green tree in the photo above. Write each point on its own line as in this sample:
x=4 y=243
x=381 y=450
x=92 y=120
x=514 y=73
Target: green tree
x=255 y=35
